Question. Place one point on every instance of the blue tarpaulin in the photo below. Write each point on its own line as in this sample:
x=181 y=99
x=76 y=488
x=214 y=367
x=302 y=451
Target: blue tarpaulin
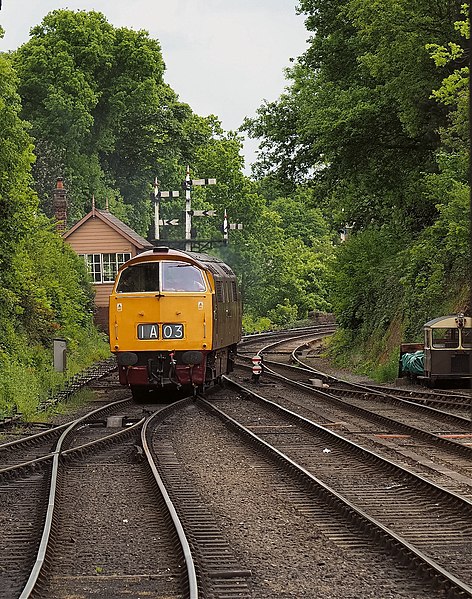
x=413 y=363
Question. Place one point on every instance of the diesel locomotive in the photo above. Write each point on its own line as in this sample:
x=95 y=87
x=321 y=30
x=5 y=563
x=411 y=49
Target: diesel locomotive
x=174 y=319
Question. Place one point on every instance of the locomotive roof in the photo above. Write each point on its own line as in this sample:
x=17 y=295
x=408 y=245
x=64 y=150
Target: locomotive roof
x=205 y=261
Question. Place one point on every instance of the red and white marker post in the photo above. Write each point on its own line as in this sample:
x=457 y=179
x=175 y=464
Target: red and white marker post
x=256 y=368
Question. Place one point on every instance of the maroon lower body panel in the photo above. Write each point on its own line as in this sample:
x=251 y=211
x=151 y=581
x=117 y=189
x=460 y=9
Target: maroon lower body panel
x=183 y=368
x=183 y=375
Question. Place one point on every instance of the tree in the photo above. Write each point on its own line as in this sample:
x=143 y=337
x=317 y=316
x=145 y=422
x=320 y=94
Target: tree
x=43 y=284
x=17 y=202
x=101 y=113
x=358 y=121
x=437 y=266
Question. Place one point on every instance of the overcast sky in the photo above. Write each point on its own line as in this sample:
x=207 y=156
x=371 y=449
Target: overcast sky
x=223 y=57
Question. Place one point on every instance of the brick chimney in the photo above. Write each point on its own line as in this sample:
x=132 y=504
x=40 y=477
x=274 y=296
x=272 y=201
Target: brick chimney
x=59 y=206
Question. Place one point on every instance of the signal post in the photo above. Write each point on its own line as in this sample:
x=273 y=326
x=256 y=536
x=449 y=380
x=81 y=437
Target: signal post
x=187 y=243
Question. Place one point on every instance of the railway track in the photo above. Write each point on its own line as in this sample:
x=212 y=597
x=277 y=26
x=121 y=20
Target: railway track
x=90 y=514
x=219 y=572
x=434 y=442
x=399 y=431
x=458 y=402
x=252 y=343
x=107 y=511
x=407 y=509
x=291 y=539
x=140 y=490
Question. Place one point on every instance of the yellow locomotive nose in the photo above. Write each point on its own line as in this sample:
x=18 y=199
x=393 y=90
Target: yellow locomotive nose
x=179 y=319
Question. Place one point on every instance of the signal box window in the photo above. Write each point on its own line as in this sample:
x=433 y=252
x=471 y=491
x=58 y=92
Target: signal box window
x=94 y=267
x=111 y=265
x=103 y=267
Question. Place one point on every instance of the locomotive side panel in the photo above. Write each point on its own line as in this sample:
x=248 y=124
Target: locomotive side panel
x=226 y=313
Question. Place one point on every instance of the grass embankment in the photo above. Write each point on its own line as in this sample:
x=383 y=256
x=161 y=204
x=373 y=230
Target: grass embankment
x=376 y=358
x=377 y=354
x=27 y=377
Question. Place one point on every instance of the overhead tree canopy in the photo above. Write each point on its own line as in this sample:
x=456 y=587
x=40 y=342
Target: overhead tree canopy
x=359 y=121
x=102 y=115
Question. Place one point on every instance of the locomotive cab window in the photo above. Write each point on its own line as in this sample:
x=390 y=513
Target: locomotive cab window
x=139 y=278
x=445 y=338
x=181 y=276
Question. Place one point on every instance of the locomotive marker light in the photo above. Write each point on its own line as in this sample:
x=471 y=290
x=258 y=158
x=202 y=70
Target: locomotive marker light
x=256 y=368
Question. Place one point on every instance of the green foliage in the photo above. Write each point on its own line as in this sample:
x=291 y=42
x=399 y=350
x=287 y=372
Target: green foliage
x=359 y=121
x=278 y=271
x=17 y=203
x=255 y=325
x=366 y=289
x=300 y=219
x=52 y=286
x=373 y=358
x=283 y=315
x=101 y=114
x=437 y=265
x=47 y=294
x=376 y=123
x=27 y=375
x=43 y=284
